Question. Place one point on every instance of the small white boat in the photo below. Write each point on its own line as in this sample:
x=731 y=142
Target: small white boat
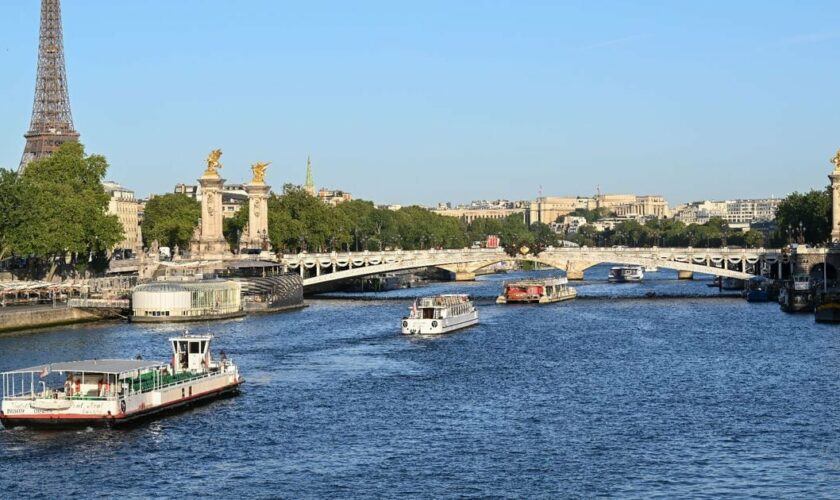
x=651 y=269
x=440 y=314
x=625 y=274
x=113 y=392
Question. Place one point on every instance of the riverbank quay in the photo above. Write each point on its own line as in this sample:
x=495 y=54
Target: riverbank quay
x=15 y=318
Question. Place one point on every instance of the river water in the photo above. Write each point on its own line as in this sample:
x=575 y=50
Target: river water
x=613 y=394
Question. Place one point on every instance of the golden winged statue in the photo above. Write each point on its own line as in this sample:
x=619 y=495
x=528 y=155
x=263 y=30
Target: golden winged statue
x=836 y=160
x=259 y=169
x=213 y=164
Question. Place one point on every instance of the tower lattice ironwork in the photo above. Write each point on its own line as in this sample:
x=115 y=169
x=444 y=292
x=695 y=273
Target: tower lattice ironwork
x=52 y=122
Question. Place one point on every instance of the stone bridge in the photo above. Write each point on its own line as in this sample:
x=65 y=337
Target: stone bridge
x=316 y=269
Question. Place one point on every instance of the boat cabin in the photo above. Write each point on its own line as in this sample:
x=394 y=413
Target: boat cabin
x=191 y=353
x=441 y=306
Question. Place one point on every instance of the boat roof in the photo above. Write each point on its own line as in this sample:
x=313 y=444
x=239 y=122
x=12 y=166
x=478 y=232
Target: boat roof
x=110 y=366
x=537 y=281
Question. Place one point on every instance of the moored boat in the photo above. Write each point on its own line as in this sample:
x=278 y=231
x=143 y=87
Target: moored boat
x=626 y=274
x=827 y=305
x=731 y=284
x=115 y=392
x=440 y=314
x=758 y=289
x=540 y=291
x=797 y=295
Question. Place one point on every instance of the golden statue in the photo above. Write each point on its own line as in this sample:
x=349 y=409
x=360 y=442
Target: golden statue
x=259 y=169
x=836 y=161
x=213 y=164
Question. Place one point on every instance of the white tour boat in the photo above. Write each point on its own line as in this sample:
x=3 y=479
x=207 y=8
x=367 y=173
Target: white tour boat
x=624 y=274
x=113 y=392
x=440 y=314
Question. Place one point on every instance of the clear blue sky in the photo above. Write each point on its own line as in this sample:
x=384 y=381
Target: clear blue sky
x=429 y=101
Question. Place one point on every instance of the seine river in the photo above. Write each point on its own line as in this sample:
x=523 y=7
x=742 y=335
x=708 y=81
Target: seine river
x=613 y=394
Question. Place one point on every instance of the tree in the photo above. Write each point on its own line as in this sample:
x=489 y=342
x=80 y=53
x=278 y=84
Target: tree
x=171 y=220
x=234 y=227
x=62 y=209
x=298 y=221
x=543 y=237
x=9 y=210
x=812 y=209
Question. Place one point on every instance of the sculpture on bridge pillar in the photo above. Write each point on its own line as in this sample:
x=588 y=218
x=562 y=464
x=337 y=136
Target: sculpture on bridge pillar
x=208 y=241
x=835 y=198
x=256 y=234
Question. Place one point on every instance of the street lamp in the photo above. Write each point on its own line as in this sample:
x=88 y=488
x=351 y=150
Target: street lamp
x=800 y=233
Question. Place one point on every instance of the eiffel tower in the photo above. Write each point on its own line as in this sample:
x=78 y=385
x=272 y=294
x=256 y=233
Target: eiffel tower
x=52 y=123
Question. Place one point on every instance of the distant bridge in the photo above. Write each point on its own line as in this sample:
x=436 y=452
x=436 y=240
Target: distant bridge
x=319 y=268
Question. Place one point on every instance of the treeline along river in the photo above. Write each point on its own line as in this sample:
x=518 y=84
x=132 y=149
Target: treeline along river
x=612 y=394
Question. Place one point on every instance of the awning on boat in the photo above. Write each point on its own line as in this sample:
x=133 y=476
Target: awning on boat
x=109 y=366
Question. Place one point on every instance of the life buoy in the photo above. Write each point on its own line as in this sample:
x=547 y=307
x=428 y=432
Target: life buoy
x=405 y=324
x=434 y=324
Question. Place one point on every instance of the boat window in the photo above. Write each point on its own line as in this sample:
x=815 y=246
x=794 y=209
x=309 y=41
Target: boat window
x=182 y=346
x=194 y=348
x=203 y=345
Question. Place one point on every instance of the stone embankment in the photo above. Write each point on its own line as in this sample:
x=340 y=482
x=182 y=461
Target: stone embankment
x=30 y=317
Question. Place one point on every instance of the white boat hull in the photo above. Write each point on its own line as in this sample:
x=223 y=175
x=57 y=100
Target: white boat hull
x=417 y=326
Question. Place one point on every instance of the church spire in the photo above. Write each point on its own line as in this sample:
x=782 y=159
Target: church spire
x=310 y=183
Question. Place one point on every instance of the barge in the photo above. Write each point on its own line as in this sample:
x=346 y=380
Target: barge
x=116 y=392
x=539 y=291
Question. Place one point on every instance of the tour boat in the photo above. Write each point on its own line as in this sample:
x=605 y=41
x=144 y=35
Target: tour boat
x=541 y=291
x=624 y=274
x=440 y=314
x=797 y=295
x=114 y=392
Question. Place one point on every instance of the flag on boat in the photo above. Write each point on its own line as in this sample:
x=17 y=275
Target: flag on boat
x=414 y=308
x=44 y=372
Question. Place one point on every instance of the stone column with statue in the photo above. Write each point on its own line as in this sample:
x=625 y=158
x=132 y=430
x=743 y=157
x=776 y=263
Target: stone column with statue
x=209 y=241
x=835 y=198
x=256 y=235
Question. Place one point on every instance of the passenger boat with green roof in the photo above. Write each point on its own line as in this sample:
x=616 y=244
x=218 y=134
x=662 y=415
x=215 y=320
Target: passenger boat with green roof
x=115 y=392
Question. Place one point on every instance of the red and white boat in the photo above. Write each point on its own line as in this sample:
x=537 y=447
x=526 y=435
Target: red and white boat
x=539 y=291
x=114 y=392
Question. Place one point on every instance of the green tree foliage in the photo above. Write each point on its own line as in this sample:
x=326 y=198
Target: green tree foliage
x=9 y=213
x=235 y=226
x=170 y=219
x=812 y=209
x=669 y=233
x=298 y=221
x=62 y=209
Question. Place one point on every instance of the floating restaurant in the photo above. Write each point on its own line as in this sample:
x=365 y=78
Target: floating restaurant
x=169 y=301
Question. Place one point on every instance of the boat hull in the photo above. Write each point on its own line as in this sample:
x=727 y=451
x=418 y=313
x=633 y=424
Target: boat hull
x=625 y=279
x=828 y=312
x=69 y=421
x=545 y=299
x=415 y=326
